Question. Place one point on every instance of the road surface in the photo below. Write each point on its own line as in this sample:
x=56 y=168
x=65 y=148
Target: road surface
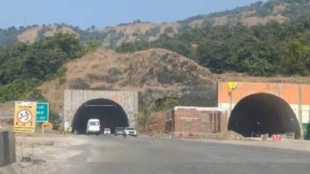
x=117 y=155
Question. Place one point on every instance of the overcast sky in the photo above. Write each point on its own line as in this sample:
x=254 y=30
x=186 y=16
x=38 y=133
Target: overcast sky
x=101 y=13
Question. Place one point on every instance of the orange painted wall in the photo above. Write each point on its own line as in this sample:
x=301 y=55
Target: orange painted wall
x=289 y=92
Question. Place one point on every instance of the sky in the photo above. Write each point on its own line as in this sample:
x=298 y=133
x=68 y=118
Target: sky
x=102 y=13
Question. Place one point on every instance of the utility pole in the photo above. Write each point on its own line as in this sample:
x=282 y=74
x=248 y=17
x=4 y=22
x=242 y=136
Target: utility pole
x=300 y=97
x=231 y=86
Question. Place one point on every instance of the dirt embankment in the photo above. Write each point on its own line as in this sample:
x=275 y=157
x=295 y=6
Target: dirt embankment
x=155 y=68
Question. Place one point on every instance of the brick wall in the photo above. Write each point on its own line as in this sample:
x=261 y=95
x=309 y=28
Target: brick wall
x=157 y=123
x=198 y=122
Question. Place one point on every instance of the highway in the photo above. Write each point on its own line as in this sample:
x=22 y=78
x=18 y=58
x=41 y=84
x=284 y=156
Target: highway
x=118 y=155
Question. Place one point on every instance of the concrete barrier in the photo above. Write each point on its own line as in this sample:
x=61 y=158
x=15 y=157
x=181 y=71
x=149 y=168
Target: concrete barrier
x=7 y=148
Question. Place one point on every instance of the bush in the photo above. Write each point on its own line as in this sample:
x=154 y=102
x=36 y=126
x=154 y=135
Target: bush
x=19 y=90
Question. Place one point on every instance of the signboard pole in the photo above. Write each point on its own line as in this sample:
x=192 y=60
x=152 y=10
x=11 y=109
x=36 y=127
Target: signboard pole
x=231 y=86
x=42 y=129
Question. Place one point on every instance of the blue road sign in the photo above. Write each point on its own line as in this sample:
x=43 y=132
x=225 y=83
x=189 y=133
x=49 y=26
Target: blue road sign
x=42 y=112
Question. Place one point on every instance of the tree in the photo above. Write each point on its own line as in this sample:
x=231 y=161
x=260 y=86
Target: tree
x=298 y=59
x=23 y=66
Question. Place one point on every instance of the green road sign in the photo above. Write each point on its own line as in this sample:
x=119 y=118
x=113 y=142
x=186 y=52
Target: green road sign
x=42 y=112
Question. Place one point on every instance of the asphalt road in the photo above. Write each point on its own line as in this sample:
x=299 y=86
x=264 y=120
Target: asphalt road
x=117 y=155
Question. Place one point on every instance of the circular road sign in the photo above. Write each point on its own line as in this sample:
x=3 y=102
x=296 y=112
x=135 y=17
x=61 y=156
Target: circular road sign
x=24 y=116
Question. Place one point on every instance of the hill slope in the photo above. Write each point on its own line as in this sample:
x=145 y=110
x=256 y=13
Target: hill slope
x=155 y=68
x=156 y=73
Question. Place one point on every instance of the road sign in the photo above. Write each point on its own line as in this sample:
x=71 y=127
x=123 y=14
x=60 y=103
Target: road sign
x=42 y=112
x=25 y=116
x=232 y=85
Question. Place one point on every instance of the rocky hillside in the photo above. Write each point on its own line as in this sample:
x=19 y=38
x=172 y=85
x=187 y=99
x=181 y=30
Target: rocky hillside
x=156 y=73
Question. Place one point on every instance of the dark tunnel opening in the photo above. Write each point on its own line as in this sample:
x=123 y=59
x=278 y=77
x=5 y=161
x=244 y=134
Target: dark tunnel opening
x=110 y=114
x=263 y=114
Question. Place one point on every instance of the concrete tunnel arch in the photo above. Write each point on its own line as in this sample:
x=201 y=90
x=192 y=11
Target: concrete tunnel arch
x=263 y=113
x=110 y=114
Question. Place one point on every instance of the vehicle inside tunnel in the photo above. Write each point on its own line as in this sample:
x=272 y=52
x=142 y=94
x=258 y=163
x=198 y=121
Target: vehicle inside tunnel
x=110 y=114
x=263 y=114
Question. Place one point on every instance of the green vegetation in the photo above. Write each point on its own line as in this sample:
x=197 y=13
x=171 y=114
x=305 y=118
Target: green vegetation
x=262 y=50
x=9 y=36
x=18 y=90
x=24 y=66
x=158 y=105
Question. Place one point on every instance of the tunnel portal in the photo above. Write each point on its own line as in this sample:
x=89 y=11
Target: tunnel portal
x=109 y=113
x=263 y=114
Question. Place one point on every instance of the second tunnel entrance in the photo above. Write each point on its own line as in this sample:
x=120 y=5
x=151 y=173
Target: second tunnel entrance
x=263 y=114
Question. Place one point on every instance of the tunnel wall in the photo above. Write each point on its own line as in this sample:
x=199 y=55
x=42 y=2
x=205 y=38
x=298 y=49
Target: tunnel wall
x=128 y=100
x=297 y=95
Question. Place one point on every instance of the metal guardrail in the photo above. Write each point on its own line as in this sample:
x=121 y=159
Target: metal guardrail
x=7 y=148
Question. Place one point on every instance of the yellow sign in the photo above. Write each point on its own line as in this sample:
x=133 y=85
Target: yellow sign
x=232 y=85
x=25 y=116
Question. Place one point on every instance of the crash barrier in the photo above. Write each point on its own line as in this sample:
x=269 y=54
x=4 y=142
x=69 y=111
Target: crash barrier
x=7 y=148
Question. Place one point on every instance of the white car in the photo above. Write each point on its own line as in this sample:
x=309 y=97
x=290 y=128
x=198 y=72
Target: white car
x=130 y=131
x=93 y=126
x=106 y=131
